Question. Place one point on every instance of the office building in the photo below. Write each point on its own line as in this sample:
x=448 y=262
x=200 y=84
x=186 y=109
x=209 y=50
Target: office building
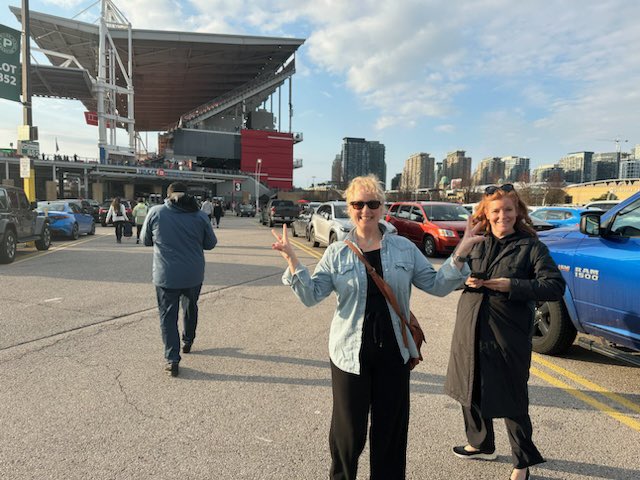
x=577 y=167
x=362 y=157
x=457 y=165
x=516 y=169
x=336 y=170
x=395 y=181
x=418 y=172
x=630 y=169
x=552 y=174
x=490 y=171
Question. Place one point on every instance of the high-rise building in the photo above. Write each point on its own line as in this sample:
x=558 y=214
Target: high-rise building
x=606 y=165
x=336 y=170
x=456 y=165
x=490 y=170
x=630 y=169
x=362 y=157
x=548 y=174
x=395 y=181
x=516 y=169
x=577 y=167
x=418 y=172
x=438 y=175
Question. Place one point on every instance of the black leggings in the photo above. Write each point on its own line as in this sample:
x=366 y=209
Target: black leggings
x=119 y=227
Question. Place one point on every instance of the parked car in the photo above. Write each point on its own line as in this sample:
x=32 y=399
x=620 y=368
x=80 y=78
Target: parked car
x=104 y=209
x=602 y=204
x=300 y=226
x=19 y=222
x=436 y=227
x=331 y=223
x=600 y=262
x=278 y=211
x=67 y=218
x=558 y=216
x=89 y=206
x=538 y=225
x=246 y=210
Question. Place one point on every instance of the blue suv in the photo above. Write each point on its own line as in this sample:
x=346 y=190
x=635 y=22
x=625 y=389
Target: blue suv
x=600 y=260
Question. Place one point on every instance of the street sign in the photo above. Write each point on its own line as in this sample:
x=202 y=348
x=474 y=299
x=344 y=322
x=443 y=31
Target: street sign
x=237 y=185
x=10 y=70
x=28 y=149
x=25 y=167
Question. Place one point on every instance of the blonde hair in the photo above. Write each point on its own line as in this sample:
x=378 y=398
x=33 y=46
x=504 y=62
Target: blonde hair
x=523 y=221
x=368 y=183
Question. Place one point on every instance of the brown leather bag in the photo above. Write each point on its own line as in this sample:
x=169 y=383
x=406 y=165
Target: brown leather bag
x=414 y=327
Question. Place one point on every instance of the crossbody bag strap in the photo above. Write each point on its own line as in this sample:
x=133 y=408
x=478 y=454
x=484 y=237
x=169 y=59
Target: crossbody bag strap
x=384 y=288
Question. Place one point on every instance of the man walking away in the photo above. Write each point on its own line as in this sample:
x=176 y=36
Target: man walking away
x=217 y=213
x=139 y=214
x=179 y=232
x=207 y=207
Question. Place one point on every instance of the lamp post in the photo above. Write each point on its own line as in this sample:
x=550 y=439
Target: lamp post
x=258 y=168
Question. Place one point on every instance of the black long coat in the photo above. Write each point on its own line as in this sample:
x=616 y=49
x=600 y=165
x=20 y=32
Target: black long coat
x=493 y=330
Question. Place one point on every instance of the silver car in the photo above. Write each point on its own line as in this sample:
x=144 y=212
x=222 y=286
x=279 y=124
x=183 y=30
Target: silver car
x=331 y=223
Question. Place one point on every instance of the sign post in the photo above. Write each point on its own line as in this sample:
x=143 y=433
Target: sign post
x=10 y=70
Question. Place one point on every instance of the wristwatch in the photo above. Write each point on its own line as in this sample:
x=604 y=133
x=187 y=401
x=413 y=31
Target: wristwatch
x=458 y=258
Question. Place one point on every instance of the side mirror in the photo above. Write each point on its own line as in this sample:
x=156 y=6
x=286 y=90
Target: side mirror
x=33 y=205
x=590 y=223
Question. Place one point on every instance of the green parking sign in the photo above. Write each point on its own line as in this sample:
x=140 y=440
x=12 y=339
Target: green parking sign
x=10 y=71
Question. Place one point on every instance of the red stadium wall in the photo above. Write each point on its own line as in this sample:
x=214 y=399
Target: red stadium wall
x=276 y=151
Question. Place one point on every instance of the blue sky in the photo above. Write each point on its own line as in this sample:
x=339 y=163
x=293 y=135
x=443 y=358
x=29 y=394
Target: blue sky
x=535 y=78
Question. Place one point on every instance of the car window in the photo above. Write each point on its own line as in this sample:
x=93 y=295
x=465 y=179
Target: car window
x=24 y=202
x=554 y=215
x=393 y=210
x=341 y=211
x=55 y=207
x=3 y=199
x=416 y=215
x=568 y=215
x=13 y=199
x=448 y=213
x=539 y=214
x=627 y=221
x=404 y=211
x=323 y=209
x=75 y=208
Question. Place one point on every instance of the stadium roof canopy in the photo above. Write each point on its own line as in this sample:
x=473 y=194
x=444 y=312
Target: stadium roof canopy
x=173 y=72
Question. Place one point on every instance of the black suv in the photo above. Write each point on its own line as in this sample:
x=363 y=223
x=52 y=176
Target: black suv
x=19 y=222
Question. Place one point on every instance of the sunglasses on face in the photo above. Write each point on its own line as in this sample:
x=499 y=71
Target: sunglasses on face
x=491 y=189
x=372 y=204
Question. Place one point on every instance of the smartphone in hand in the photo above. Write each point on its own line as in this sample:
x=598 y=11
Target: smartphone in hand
x=480 y=275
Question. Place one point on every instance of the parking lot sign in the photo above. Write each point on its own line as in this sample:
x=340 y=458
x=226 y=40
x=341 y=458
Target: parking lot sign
x=10 y=71
x=237 y=185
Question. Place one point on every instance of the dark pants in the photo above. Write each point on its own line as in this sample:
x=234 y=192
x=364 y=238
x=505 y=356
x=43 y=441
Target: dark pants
x=138 y=229
x=480 y=435
x=383 y=387
x=169 y=300
x=217 y=217
x=119 y=227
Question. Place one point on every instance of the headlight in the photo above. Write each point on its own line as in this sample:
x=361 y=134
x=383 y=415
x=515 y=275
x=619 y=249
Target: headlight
x=446 y=233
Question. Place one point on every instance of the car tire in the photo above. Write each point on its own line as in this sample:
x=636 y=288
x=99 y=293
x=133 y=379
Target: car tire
x=45 y=240
x=312 y=238
x=553 y=332
x=8 y=247
x=270 y=222
x=429 y=246
x=93 y=229
x=332 y=238
x=75 y=232
x=293 y=230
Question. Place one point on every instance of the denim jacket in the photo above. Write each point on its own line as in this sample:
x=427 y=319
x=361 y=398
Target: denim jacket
x=341 y=271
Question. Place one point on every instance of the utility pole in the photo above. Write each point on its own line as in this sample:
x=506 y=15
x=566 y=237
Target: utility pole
x=27 y=133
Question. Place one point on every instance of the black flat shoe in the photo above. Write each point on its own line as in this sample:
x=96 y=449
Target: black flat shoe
x=460 y=452
x=172 y=369
x=525 y=478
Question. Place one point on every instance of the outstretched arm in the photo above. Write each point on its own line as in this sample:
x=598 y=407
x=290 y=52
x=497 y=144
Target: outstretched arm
x=283 y=246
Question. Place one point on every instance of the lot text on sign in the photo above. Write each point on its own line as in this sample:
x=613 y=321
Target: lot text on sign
x=25 y=167
x=10 y=71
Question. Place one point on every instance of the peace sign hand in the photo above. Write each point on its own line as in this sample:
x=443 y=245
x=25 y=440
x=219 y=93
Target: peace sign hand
x=283 y=246
x=471 y=236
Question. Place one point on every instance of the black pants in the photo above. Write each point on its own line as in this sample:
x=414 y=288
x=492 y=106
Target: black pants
x=138 y=229
x=119 y=227
x=480 y=435
x=217 y=217
x=383 y=387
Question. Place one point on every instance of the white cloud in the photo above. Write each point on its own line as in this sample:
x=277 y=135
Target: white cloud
x=446 y=128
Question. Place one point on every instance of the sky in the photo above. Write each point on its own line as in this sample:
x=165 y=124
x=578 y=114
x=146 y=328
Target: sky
x=533 y=78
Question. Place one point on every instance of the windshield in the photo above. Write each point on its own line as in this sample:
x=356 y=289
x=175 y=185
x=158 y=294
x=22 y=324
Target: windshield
x=51 y=207
x=444 y=213
x=341 y=211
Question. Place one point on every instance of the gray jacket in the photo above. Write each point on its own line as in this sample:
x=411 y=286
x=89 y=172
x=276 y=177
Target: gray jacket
x=179 y=232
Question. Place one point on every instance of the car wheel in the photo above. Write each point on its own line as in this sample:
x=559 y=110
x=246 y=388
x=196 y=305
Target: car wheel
x=8 y=247
x=293 y=230
x=312 y=238
x=332 y=238
x=553 y=332
x=429 y=246
x=93 y=229
x=45 y=241
x=75 y=232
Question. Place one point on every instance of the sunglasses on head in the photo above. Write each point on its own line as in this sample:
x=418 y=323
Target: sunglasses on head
x=491 y=189
x=372 y=204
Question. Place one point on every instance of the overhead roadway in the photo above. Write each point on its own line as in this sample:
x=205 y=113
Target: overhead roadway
x=173 y=72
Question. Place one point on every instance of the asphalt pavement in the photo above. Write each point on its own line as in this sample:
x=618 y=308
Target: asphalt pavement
x=84 y=395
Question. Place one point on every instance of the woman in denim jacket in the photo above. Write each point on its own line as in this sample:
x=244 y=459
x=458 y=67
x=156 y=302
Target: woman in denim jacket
x=369 y=361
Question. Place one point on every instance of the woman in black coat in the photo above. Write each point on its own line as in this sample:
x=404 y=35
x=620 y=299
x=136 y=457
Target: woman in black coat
x=491 y=347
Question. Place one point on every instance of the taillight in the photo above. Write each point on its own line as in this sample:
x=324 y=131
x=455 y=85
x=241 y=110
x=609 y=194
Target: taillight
x=273 y=210
x=56 y=217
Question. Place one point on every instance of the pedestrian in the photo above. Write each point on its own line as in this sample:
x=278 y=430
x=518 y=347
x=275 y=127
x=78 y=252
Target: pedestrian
x=139 y=213
x=179 y=232
x=118 y=215
x=369 y=361
x=217 y=213
x=207 y=207
x=491 y=346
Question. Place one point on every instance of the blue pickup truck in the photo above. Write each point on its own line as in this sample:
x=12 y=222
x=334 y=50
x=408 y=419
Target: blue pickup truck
x=600 y=260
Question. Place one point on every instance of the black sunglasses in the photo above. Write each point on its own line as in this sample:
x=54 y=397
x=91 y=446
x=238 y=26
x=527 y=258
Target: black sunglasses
x=372 y=204
x=491 y=189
